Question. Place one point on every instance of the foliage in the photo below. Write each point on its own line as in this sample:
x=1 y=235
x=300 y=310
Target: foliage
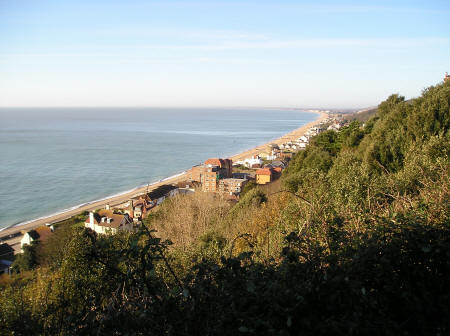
x=26 y=260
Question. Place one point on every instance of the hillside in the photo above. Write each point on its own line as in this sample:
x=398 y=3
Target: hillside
x=355 y=240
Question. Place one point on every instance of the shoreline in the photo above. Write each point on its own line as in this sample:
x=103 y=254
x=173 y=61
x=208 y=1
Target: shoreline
x=122 y=197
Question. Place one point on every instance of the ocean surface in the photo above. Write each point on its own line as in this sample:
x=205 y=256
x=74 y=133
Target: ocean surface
x=57 y=158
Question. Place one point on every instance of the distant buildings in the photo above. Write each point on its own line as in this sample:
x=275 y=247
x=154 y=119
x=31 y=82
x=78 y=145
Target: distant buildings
x=446 y=77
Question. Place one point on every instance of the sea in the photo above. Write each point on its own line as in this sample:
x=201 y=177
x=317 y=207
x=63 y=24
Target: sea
x=54 y=159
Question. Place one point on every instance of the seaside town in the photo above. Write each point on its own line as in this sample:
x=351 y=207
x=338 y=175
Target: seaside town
x=222 y=168
x=219 y=176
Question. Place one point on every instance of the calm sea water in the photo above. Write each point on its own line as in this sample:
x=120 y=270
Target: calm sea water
x=55 y=158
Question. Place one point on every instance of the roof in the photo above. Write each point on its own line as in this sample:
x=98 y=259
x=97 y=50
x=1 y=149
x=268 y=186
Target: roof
x=40 y=233
x=5 y=250
x=161 y=191
x=218 y=162
x=264 y=171
x=116 y=222
x=140 y=202
x=232 y=180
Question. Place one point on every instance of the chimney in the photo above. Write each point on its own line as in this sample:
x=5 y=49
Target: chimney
x=91 y=218
x=131 y=208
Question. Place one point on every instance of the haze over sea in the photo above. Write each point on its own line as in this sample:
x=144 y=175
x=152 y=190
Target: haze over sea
x=56 y=158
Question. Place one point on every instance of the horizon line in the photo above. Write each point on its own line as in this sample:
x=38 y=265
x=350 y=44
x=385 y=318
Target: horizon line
x=197 y=107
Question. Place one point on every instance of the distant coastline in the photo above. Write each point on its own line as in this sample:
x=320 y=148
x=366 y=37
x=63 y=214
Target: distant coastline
x=122 y=197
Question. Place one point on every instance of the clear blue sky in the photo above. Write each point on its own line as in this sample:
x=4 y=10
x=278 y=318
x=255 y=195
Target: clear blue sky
x=220 y=53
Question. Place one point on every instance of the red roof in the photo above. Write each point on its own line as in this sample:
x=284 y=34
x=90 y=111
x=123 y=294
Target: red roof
x=265 y=171
x=217 y=162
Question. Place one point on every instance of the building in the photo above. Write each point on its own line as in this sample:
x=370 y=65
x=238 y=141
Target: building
x=6 y=252
x=42 y=233
x=446 y=77
x=268 y=154
x=106 y=221
x=210 y=178
x=264 y=175
x=156 y=196
x=224 y=169
x=253 y=162
x=137 y=208
x=209 y=173
x=231 y=186
x=225 y=166
x=238 y=175
x=276 y=164
x=6 y=258
x=303 y=139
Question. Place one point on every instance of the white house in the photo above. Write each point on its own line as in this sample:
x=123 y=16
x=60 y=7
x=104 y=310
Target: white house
x=106 y=221
x=254 y=160
x=268 y=155
x=303 y=138
x=41 y=233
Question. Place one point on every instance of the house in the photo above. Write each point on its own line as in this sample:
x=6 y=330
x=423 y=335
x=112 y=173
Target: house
x=156 y=196
x=268 y=154
x=137 y=208
x=303 y=139
x=42 y=233
x=106 y=221
x=244 y=176
x=264 y=175
x=6 y=252
x=253 y=162
x=231 y=186
x=446 y=77
x=5 y=266
x=6 y=257
x=276 y=164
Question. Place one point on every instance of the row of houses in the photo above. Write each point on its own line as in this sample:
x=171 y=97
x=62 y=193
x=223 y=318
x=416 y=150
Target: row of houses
x=128 y=216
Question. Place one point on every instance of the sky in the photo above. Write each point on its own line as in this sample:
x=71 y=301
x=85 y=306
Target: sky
x=280 y=53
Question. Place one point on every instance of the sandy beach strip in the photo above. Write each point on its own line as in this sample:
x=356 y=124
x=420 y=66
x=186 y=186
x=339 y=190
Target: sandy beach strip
x=121 y=198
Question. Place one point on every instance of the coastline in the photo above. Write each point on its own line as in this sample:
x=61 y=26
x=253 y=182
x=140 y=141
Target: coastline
x=126 y=195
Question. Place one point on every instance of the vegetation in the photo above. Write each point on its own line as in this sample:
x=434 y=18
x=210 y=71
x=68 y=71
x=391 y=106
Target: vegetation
x=354 y=241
